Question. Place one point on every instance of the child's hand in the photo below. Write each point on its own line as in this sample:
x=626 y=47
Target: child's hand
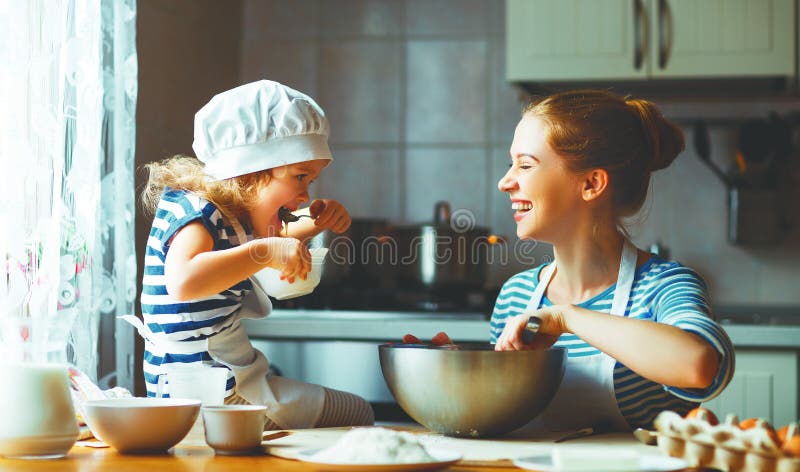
x=290 y=256
x=330 y=214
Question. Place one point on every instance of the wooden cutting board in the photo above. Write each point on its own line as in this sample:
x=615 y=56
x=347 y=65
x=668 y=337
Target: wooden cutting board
x=475 y=452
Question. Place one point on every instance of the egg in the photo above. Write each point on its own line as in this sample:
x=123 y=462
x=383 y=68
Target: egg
x=762 y=430
x=762 y=439
x=792 y=446
x=750 y=423
x=703 y=414
x=786 y=432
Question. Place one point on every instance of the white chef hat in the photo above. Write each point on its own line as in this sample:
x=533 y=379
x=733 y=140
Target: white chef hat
x=258 y=126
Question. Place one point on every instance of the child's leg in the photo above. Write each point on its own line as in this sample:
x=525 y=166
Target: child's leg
x=339 y=409
x=345 y=409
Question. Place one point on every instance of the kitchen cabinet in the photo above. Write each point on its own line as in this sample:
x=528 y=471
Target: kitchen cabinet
x=648 y=39
x=764 y=386
x=352 y=366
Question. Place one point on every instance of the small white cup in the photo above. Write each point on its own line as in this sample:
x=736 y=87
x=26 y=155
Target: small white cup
x=196 y=382
x=270 y=279
x=234 y=429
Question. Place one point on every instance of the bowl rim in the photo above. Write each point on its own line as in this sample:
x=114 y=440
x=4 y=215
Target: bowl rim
x=142 y=402
x=457 y=347
x=239 y=408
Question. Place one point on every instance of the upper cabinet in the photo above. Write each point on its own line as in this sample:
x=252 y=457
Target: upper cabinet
x=643 y=39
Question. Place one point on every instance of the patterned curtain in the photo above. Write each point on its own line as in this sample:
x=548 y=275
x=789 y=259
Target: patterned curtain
x=67 y=134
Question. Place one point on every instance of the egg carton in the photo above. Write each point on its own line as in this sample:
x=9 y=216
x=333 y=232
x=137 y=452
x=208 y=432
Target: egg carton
x=727 y=446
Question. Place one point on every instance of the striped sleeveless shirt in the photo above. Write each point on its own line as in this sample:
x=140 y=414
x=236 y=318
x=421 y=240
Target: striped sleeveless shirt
x=189 y=320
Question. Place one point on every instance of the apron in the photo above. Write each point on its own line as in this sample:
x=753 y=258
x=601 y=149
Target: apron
x=291 y=404
x=586 y=396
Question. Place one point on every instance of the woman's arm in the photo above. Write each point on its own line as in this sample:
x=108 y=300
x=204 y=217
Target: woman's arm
x=662 y=353
x=194 y=270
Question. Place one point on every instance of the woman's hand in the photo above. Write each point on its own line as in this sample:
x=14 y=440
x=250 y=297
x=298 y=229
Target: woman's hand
x=288 y=255
x=330 y=214
x=551 y=328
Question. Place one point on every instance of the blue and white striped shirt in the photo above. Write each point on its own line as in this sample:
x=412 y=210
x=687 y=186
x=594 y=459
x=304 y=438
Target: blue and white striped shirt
x=189 y=320
x=664 y=292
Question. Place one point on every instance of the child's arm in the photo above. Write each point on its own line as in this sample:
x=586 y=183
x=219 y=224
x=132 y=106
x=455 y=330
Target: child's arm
x=328 y=214
x=194 y=270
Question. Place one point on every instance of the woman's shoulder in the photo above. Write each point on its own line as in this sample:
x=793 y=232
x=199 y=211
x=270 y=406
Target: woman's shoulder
x=658 y=271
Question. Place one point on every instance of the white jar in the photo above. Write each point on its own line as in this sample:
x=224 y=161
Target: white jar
x=37 y=418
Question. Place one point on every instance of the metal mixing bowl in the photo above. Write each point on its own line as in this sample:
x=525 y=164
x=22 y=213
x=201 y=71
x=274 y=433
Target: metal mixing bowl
x=471 y=390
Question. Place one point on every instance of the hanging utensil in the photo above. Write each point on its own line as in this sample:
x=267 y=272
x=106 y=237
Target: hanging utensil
x=702 y=146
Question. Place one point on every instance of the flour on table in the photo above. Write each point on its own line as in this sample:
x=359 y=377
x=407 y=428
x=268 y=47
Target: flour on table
x=374 y=446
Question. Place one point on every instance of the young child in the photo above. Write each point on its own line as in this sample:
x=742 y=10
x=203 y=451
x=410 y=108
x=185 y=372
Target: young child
x=217 y=223
x=638 y=329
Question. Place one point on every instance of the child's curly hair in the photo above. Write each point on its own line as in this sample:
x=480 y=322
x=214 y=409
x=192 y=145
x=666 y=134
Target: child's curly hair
x=233 y=197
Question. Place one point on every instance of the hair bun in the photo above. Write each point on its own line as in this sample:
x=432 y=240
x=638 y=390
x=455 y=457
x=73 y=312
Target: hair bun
x=665 y=138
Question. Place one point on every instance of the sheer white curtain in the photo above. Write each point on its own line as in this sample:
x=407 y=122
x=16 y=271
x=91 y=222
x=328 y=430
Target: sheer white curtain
x=68 y=86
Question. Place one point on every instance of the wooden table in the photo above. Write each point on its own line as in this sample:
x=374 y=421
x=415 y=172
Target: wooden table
x=190 y=457
x=182 y=459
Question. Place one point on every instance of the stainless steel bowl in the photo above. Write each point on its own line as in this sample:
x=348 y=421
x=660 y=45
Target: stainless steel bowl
x=471 y=390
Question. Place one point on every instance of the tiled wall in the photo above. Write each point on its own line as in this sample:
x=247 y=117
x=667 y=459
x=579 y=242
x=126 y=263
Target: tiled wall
x=420 y=112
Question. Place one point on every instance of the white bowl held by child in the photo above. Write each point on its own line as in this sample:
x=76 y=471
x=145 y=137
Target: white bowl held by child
x=270 y=279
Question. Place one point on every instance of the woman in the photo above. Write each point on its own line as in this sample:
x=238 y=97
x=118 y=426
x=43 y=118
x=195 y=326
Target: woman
x=638 y=329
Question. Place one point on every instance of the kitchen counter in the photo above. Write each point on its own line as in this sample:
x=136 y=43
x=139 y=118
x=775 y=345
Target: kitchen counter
x=326 y=347
x=771 y=332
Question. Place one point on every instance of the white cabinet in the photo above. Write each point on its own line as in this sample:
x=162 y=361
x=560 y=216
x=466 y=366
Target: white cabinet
x=352 y=366
x=643 y=39
x=764 y=386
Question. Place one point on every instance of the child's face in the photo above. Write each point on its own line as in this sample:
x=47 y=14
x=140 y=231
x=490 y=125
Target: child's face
x=287 y=188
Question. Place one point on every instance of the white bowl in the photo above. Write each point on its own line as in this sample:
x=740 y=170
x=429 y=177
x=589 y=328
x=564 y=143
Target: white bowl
x=141 y=425
x=270 y=279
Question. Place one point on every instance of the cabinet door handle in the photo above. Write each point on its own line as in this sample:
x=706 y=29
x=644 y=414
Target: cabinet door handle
x=639 y=33
x=664 y=33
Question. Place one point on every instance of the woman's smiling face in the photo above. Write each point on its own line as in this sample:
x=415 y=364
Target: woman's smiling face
x=545 y=195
